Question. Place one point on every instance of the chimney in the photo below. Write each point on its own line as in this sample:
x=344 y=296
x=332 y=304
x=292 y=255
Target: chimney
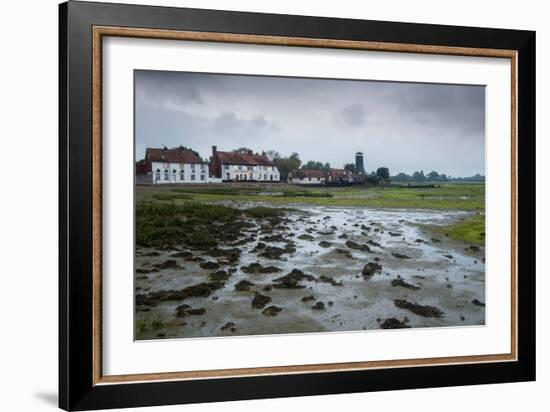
x=263 y=153
x=214 y=150
x=250 y=152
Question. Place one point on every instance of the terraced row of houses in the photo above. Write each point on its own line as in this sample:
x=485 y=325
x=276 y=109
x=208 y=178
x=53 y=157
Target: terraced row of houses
x=181 y=165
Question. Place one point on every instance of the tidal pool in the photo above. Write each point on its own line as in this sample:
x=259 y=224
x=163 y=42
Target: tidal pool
x=424 y=280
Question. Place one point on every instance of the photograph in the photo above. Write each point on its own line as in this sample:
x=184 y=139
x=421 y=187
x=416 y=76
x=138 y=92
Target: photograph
x=285 y=205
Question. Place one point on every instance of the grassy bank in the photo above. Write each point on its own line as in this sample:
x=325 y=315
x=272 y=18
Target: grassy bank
x=469 y=197
x=469 y=230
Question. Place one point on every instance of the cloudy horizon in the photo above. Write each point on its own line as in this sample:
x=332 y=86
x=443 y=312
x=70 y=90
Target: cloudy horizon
x=403 y=126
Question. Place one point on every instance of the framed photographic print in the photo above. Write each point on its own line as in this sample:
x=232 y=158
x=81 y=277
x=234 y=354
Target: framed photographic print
x=257 y=205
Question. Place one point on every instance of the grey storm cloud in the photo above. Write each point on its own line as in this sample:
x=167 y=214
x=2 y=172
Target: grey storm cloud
x=353 y=115
x=403 y=126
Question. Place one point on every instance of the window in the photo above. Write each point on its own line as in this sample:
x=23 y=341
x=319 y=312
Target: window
x=174 y=174
x=310 y=179
x=203 y=177
x=271 y=177
x=228 y=176
x=192 y=177
x=265 y=176
x=203 y=166
x=249 y=167
x=182 y=175
x=226 y=167
x=157 y=175
x=192 y=167
x=166 y=174
x=245 y=177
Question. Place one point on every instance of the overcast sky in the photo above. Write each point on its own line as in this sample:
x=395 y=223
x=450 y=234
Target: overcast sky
x=403 y=126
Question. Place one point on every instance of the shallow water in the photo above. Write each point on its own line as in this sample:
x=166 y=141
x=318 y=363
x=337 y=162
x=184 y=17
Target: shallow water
x=447 y=283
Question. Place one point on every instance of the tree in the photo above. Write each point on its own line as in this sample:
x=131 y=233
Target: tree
x=383 y=173
x=182 y=148
x=401 y=177
x=243 y=150
x=285 y=164
x=350 y=167
x=313 y=165
x=419 y=176
x=433 y=175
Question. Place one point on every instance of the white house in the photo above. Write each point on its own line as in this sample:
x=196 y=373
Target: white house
x=235 y=166
x=165 y=166
x=306 y=177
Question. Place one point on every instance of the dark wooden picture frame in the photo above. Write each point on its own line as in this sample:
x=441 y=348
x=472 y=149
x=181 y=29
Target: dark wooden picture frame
x=82 y=26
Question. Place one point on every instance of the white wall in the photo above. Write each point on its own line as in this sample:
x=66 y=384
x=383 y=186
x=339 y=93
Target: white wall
x=29 y=212
x=189 y=170
x=259 y=173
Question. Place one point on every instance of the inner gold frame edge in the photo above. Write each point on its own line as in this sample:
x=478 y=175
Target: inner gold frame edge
x=101 y=31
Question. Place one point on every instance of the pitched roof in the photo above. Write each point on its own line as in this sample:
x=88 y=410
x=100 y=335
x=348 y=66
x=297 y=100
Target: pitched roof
x=235 y=158
x=172 y=156
x=339 y=172
x=301 y=173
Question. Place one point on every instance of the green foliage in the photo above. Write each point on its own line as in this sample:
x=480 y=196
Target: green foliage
x=383 y=173
x=350 y=167
x=285 y=165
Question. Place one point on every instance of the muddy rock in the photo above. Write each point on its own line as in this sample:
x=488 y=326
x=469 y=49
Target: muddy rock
x=220 y=275
x=202 y=290
x=328 y=279
x=142 y=270
x=308 y=298
x=318 y=306
x=448 y=256
x=402 y=283
x=400 y=256
x=477 y=302
x=344 y=252
x=271 y=311
x=373 y=243
x=435 y=240
x=243 y=285
x=420 y=310
x=370 y=269
x=232 y=255
x=356 y=246
x=292 y=280
x=230 y=326
x=169 y=264
x=210 y=265
x=256 y=267
x=186 y=310
x=185 y=254
x=273 y=238
x=267 y=288
x=305 y=237
x=393 y=323
x=474 y=248
x=325 y=244
x=273 y=252
x=394 y=234
x=260 y=301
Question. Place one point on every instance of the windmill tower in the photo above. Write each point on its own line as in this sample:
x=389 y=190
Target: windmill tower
x=359 y=165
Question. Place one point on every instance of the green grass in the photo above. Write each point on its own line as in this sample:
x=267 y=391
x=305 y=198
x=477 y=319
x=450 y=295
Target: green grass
x=470 y=230
x=171 y=196
x=197 y=225
x=459 y=196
